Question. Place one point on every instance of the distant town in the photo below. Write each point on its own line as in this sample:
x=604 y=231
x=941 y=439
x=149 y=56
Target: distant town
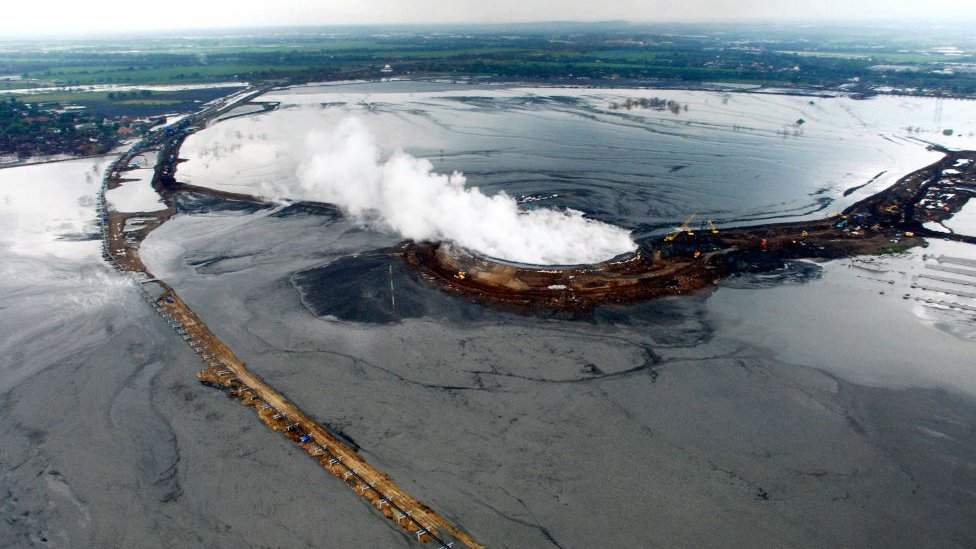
x=52 y=128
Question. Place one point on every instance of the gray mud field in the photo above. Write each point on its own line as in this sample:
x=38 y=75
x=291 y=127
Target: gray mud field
x=816 y=406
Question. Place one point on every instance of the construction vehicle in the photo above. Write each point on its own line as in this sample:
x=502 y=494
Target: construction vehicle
x=461 y=275
x=708 y=225
x=683 y=228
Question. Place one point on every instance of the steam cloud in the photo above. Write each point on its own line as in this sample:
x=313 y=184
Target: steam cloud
x=402 y=193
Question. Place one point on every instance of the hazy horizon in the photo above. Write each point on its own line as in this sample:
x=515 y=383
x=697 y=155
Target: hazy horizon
x=111 y=16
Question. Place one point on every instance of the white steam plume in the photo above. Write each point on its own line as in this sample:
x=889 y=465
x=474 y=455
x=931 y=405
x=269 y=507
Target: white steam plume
x=403 y=194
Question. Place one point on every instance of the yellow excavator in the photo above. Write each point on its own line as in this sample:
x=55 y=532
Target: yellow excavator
x=683 y=228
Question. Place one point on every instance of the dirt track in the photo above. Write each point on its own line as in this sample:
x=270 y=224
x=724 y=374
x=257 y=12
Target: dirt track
x=224 y=370
x=227 y=372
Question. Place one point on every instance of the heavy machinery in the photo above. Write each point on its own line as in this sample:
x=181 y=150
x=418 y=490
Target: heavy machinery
x=683 y=228
x=708 y=224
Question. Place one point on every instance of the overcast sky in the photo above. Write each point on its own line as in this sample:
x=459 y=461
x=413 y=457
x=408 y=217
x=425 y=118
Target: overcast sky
x=58 y=16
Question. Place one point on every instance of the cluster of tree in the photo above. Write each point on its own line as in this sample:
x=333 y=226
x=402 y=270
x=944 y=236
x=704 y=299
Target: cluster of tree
x=129 y=95
x=654 y=103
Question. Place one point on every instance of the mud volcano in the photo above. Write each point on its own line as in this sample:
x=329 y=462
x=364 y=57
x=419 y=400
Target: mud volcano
x=623 y=279
x=891 y=220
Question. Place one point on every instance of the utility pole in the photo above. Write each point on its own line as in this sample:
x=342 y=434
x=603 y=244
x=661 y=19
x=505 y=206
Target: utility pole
x=392 y=295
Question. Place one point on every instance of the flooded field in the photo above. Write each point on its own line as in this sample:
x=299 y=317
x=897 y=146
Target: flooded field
x=826 y=404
